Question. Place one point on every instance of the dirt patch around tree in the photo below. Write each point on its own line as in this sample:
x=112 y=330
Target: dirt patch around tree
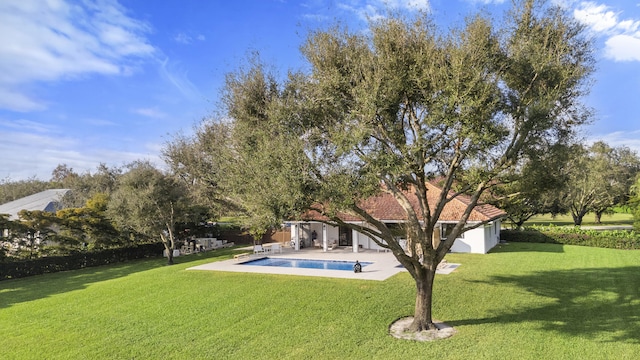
x=399 y=329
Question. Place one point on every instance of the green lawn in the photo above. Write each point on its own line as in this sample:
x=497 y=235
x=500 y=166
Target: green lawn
x=524 y=301
x=588 y=220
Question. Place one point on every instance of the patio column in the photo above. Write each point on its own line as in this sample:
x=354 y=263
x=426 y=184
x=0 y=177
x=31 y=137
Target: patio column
x=354 y=240
x=324 y=238
x=295 y=236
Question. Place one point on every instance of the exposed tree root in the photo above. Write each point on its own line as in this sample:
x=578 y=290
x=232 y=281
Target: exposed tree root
x=400 y=329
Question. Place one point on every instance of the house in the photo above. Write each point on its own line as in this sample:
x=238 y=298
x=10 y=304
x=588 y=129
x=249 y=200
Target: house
x=48 y=200
x=313 y=231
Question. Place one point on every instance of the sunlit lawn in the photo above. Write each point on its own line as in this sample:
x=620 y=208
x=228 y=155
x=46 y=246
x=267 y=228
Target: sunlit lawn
x=588 y=220
x=522 y=301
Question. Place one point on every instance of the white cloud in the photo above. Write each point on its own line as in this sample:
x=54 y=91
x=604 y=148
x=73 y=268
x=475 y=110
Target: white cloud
x=27 y=126
x=16 y=101
x=100 y=122
x=186 y=39
x=150 y=112
x=408 y=4
x=58 y=40
x=487 y=2
x=630 y=139
x=178 y=77
x=597 y=17
x=374 y=9
x=565 y=4
x=38 y=153
x=183 y=38
x=623 y=36
x=623 y=48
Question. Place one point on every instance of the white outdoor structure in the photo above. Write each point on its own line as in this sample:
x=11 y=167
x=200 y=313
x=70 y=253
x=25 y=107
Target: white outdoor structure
x=312 y=231
x=479 y=240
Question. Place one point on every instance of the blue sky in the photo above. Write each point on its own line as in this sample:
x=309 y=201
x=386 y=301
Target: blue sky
x=85 y=82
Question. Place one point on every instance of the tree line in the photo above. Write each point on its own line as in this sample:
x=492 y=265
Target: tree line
x=574 y=179
x=109 y=208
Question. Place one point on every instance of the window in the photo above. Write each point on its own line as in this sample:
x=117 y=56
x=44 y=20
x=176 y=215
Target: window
x=446 y=229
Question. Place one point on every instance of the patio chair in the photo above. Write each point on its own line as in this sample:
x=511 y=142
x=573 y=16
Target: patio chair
x=276 y=247
x=258 y=249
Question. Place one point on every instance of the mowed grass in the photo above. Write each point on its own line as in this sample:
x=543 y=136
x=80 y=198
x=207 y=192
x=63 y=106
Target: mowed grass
x=521 y=301
x=588 y=220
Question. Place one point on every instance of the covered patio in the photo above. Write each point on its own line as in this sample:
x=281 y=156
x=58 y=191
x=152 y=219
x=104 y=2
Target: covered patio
x=318 y=235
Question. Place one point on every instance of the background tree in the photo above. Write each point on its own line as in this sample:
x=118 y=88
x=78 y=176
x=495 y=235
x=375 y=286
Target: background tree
x=233 y=164
x=390 y=109
x=599 y=178
x=35 y=234
x=150 y=202
x=635 y=203
x=13 y=190
x=626 y=166
x=535 y=187
x=89 y=224
x=85 y=185
x=7 y=234
x=198 y=162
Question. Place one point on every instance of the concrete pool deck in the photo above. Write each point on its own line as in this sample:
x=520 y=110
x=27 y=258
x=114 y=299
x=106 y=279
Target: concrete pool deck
x=384 y=264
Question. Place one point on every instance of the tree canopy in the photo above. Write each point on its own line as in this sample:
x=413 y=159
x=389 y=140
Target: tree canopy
x=598 y=177
x=393 y=108
x=149 y=202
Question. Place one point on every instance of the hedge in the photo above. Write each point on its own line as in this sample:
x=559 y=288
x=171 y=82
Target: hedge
x=12 y=269
x=612 y=239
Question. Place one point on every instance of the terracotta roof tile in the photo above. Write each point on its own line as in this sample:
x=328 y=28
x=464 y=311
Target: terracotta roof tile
x=384 y=207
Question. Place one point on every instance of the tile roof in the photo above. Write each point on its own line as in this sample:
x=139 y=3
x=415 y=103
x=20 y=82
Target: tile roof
x=48 y=200
x=384 y=207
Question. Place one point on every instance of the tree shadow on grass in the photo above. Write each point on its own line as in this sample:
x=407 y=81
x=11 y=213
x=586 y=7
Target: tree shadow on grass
x=527 y=240
x=601 y=303
x=527 y=247
x=15 y=291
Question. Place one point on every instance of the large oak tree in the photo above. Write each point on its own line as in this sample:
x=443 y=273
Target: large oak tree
x=402 y=104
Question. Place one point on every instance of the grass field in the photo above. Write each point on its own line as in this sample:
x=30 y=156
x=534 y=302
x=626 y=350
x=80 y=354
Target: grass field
x=522 y=301
x=588 y=220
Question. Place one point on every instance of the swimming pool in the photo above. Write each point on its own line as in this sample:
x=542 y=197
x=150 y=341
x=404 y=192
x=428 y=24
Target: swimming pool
x=305 y=263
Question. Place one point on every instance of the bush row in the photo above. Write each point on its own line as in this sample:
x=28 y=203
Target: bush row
x=12 y=269
x=612 y=239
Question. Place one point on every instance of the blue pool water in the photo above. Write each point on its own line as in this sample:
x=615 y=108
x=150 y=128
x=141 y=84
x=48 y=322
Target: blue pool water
x=306 y=263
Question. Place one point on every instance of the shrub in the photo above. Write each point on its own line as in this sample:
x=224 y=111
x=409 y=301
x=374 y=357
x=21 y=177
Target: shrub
x=612 y=239
x=11 y=269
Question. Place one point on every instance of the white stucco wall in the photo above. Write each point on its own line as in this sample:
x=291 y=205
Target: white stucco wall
x=471 y=242
x=479 y=240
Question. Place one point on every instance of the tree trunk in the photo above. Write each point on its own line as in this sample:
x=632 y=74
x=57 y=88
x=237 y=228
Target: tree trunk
x=169 y=250
x=424 y=298
x=598 y=217
x=169 y=244
x=577 y=218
